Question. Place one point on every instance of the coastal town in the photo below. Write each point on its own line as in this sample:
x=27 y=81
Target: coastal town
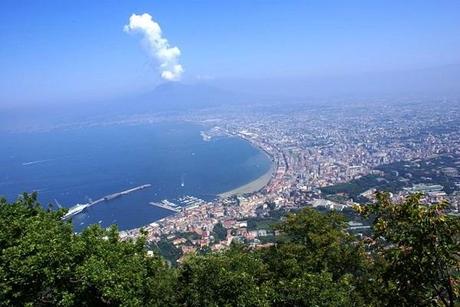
x=314 y=149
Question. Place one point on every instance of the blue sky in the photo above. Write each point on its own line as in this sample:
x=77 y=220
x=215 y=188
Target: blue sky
x=70 y=50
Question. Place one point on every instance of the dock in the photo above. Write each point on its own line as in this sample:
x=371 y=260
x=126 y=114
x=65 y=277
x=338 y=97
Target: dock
x=165 y=206
x=78 y=208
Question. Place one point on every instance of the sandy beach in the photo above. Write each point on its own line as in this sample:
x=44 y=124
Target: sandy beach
x=252 y=186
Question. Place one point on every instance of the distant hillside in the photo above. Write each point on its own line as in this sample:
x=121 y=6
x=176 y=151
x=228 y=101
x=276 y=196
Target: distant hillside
x=175 y=96
x=171 y=97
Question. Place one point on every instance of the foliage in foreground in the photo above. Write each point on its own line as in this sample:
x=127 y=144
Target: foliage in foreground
x=412 y=260
x=417 y=251
x=42 y=262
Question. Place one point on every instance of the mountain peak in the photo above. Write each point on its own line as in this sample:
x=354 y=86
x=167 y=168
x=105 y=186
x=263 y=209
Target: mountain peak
x=178 y=96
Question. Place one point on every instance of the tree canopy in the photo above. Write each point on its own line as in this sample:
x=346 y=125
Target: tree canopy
x=42 y=262
x=412 y=259
x=417 y=251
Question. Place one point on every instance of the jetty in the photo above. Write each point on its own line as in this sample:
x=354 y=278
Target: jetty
x=78 y=208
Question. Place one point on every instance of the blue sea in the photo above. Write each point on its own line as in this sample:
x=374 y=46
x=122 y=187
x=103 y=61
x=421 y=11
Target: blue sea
x=71 y=166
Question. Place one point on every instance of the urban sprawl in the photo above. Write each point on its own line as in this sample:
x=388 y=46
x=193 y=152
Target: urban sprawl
x=312 y=148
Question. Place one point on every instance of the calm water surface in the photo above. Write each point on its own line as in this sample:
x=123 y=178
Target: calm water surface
x=75 y=166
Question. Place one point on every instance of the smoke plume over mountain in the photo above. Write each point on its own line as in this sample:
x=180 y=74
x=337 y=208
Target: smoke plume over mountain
x=158 y=46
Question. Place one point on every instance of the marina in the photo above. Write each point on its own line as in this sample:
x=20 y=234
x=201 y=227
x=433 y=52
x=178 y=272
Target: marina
x=165 y=204
x=184 y=203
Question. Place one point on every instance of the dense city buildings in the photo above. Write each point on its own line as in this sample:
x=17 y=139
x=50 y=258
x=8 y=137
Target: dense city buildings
x=312 y=148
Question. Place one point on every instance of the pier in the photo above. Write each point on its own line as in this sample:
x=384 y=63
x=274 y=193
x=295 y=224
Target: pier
x=165 y=206
x=78 y=208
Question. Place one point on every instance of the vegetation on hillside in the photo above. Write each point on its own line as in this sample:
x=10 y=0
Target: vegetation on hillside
x=395 y=176
x=411 y=260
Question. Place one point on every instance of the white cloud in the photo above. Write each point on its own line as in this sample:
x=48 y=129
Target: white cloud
x=159 y=48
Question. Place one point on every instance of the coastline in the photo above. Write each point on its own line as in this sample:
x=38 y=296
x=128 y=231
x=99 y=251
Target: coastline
x=251 y=187
x=255 y=185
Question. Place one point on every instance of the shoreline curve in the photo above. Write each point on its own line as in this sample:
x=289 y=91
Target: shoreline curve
x=255 y=185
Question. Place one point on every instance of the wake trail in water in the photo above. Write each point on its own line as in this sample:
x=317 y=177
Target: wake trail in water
x=36 y=162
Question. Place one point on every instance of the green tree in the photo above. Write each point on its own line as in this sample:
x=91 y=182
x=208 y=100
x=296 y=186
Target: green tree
x=231 y=278
x=42 y=262
x=413 y=260
x=317 y=262
x=312 y=266
x=313 y=289
x=417 y=251
x=36 y=259
x=319 y=242
x=219 y=232
x=166 y=249
x=119 y=273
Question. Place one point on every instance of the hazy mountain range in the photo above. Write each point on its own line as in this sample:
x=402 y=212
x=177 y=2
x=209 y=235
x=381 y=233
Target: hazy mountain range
x=174 y=97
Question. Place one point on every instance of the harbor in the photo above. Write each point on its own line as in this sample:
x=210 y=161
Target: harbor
x=165 y=204
x=185 y=203
x=78 y=208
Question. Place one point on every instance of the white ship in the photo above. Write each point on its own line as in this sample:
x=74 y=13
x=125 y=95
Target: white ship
x=78 y=208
